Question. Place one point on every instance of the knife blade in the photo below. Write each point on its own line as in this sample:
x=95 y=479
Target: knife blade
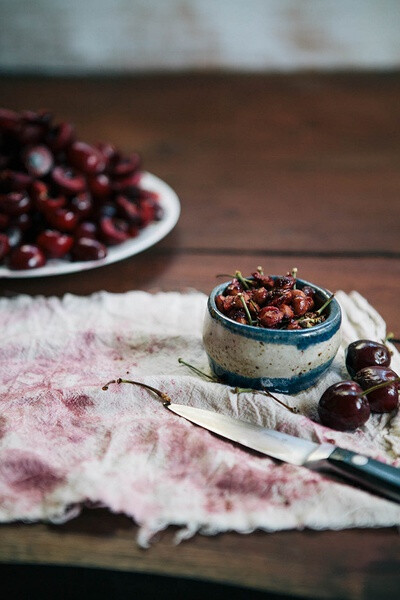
x=372 y=474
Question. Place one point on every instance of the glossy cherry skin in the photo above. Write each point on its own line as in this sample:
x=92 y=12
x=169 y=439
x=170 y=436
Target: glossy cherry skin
x=86 y=229
x=27 y=256
x=113 y=231
x=15 y=203
x=366 y=353
x=62 y=219
x=54 y=243
x=68 y=181
x=386 y=398
x=343 y=406
x=61 y=136
x=100 y=185
x=128 y=210
x=86 y=158
x=88 y=249
x=82 y=205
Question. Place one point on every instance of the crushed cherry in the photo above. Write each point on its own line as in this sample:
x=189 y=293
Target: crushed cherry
x=271 y=302
x=50 y=181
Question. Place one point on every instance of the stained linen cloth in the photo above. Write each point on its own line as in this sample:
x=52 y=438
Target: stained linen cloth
x=64 y=442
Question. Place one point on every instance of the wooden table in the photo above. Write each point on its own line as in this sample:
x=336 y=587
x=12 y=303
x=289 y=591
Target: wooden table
x=282 y=171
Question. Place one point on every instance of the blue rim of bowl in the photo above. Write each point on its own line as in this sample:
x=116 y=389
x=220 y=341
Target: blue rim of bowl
x=321 y=331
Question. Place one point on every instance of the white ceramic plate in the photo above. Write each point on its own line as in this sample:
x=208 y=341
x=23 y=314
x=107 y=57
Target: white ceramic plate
x=147 y=237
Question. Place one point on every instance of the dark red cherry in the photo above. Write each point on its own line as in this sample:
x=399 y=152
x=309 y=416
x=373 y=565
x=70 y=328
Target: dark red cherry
x=384 y=399
x=24 y=221
x=30 y=134
x=86 y=158
x=62 y=218
x=108 y=151
x=128 y=185
x=15 y=203
x=38 y=191
x=40 y=117
x=343 y=406
x=113 y=231
x=82 y=205
x=68 y=181
x=86 y=229
x=147 y=211
x=47 y=204
x=14 y=181
x=61 y=136
x=128 y=210
x=38 y=160
x=54 y=243
x=366 y=353
x=4 y=245
x=88 y=249
x=100 y=185
x=126 y=165
x=27 y=256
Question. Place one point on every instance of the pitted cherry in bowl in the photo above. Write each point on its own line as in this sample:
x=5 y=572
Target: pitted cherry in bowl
x=280 y=360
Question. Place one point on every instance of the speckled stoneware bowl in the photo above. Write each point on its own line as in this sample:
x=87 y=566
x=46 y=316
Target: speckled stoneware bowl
x=280 y=360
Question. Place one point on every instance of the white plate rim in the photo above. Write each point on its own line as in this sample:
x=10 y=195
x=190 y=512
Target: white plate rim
x=149 y=236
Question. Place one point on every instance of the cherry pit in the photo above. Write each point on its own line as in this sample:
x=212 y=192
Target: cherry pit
x=62 y=198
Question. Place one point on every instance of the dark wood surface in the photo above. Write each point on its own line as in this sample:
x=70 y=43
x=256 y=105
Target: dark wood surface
x=282 y=171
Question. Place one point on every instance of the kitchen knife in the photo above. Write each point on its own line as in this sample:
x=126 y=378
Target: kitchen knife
x=372 y=474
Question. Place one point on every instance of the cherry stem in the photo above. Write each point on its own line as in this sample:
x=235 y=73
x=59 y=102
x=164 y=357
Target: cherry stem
x=294 y=275
x=260 y=270
x=390 y=338
x=164 y=397
x=196 y=370
x=378 y=386
x=239 y=390
x=246 y=310
x=242 y=280
x=325 y=304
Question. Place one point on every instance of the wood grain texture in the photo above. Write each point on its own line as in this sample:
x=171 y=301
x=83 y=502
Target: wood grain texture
x=306 y=164
x=353 y=564
x=161 y=269
x=279 y=171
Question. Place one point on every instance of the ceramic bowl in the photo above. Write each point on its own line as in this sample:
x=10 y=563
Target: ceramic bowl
x=279 y=360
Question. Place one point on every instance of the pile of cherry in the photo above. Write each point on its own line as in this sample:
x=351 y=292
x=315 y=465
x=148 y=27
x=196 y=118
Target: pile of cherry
x=270 y=302
x=374 y=387
x=63 y=198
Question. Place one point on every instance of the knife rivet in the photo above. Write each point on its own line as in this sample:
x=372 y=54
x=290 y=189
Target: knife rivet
x=359 y=460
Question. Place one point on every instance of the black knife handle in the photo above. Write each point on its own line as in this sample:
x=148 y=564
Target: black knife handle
x=369 y=473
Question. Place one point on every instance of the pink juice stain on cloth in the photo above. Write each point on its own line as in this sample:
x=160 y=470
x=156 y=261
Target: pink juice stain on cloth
x=65 y=441
x=24 y=472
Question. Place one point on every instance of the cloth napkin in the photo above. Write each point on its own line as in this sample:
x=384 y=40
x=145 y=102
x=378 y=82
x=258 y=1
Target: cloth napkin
x=66 y=443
